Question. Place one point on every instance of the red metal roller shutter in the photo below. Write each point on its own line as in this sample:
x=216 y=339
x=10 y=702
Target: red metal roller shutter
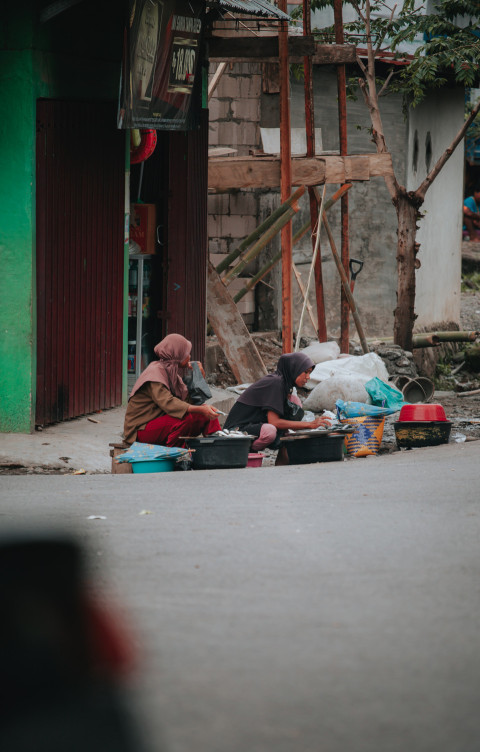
x=80 y=218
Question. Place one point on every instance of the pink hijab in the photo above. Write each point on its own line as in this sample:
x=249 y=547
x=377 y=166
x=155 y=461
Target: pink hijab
x=171 y=351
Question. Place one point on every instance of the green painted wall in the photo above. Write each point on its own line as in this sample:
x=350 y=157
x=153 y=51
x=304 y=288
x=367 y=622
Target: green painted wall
x=17 y=222
x=68 y=57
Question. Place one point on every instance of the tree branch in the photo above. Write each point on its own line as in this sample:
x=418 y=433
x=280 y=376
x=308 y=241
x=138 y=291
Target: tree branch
x=361 y=65
x=423 y=187
x=385 y=85
x=382 y=36
x=368 y=35
x=358 y=11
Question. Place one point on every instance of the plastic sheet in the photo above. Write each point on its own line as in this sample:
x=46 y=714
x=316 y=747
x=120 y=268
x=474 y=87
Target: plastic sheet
x=144 y=452
x=361 y=409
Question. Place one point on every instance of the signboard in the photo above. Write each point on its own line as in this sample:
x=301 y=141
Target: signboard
x=161 y=81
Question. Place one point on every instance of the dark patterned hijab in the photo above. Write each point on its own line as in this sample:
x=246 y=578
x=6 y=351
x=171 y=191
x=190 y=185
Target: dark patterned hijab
x=271 y=392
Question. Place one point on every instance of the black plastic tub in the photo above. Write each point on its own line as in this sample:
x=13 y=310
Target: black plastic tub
x=303 y=450
x=213 y=452
x=421 y=433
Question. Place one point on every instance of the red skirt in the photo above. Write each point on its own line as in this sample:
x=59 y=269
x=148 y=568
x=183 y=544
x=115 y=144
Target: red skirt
x=166 y=430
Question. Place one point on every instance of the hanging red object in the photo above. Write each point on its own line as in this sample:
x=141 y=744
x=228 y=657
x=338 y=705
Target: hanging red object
x=148 y=142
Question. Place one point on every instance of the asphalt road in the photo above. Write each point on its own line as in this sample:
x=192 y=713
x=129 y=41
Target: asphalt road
x=321 y=608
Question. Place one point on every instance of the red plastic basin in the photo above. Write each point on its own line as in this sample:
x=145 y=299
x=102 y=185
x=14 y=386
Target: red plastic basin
x=422 y=412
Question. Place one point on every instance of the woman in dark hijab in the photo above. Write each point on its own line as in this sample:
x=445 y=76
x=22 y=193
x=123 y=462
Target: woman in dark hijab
x=263 y=409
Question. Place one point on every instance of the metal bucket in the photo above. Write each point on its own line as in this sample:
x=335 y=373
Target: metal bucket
x=418 y=390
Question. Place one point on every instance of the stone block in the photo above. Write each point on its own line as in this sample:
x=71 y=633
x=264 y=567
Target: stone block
x=246 y=109
x=247 y=303
x=249 y=87
x=219 y=203
x=243 y=133
x=218 y=245
x=236 y=226
x=218 y=109
x=243 y=203
x=213 y=134
x=228 y=87
x=216 y=258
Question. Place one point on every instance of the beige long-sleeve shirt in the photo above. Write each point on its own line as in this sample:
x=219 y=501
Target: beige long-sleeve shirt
x=151 y=401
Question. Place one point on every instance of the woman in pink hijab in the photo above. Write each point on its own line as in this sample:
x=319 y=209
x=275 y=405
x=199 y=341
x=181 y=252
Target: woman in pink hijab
x=157 y=410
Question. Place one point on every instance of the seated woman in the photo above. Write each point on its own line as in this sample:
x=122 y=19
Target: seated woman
x=262 y=408
x=158 y=411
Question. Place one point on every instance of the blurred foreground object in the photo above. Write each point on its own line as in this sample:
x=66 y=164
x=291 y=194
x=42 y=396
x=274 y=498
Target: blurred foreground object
x=62 y=658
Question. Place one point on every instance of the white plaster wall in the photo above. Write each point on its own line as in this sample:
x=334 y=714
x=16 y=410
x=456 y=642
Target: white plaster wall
x=439 y=277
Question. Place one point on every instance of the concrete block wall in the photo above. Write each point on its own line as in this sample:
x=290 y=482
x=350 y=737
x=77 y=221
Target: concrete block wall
x=234 y=115
x=237 y=110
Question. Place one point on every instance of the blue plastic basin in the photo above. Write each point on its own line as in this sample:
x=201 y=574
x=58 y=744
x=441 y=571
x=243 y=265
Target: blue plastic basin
x=154 y=466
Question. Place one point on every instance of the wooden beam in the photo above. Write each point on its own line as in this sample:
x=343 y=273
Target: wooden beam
x=265 y=49
x=226 y=173
x=232 y=333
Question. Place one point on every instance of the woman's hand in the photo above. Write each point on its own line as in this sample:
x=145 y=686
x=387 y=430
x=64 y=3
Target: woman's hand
x=318 y=422
x=208 y=411
x=295 y=425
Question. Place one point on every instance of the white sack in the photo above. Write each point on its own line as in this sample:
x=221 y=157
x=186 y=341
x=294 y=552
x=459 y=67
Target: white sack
x=342 y=386
x=322 y=351
x=364 y=366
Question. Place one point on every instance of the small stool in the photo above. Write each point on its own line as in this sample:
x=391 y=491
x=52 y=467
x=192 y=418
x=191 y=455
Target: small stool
x=119 y=467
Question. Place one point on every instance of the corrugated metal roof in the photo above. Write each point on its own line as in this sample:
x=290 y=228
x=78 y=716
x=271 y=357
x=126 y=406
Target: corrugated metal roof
x=250 y=7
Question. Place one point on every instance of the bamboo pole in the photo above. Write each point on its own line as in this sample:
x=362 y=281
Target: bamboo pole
x=306 y=303
x=263 y=271
x=270 y=264
x=346 y=286
x=331 y=201
x=258 y=276
x=263 y=227
x=433 y=339
x=310 y=139
x=312 y=267
x=260 y=244
x=456 y=336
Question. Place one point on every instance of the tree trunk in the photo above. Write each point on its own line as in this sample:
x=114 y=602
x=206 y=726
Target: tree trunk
x=407 y=214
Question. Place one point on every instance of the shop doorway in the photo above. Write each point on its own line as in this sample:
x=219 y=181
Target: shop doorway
x=80 y=183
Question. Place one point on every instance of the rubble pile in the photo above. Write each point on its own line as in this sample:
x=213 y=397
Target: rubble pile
x=398 y=362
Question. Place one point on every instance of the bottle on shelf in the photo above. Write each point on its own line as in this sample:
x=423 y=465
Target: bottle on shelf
x=132 y=355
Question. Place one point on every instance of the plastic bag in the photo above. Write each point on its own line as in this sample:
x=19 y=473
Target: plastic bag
x=292 y=411
x=384 y=395
x=361 y=366
x=198 y=389
x=360 y=409
x=319 y=352
x=342 y=386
